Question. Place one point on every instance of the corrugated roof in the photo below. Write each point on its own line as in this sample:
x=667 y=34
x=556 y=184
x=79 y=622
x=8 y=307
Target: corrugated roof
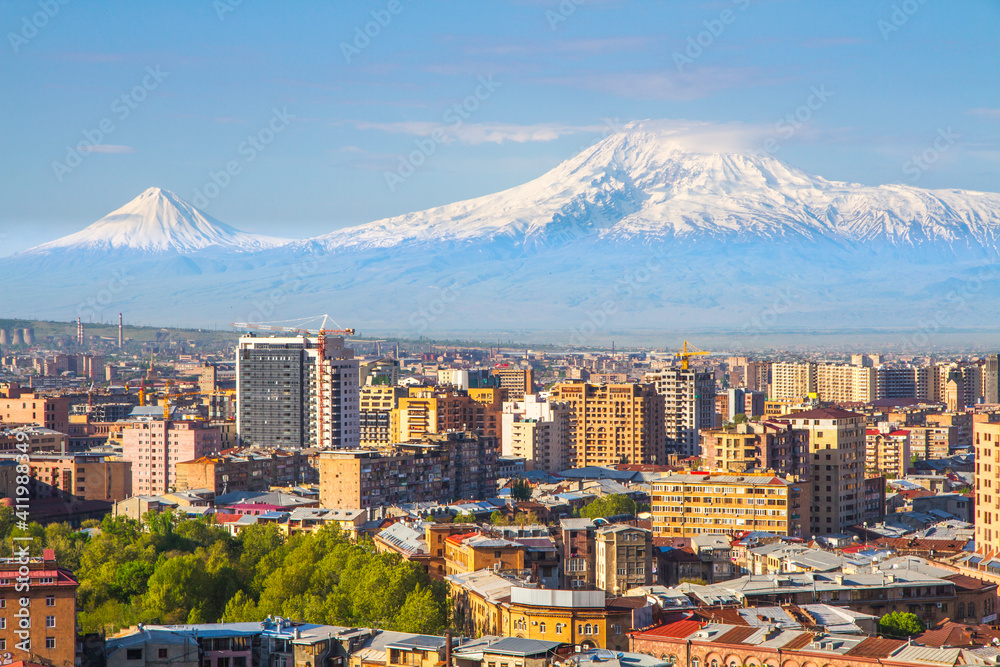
x=676 y=630
x=875 y=647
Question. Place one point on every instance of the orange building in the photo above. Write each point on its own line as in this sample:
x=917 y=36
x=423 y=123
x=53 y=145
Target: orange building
x=156 y=446
x=51 y=610
x=19 y=406
x=67 y=476
x=473 y=551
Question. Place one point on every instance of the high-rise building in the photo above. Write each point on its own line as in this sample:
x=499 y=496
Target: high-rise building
x=377 y=415
x=792 y=380
x=895 y=382
x=837 y=449
x=156 y=446
x=986 y=439
x=537 y=431
x=701 y=503
x=845 y=384
x=290 y=395
x=688 y=405
x=517 y=381
x=613 y=423
x=991 y=379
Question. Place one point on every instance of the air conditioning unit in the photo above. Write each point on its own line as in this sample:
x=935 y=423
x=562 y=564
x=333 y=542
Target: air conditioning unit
x=939 y=605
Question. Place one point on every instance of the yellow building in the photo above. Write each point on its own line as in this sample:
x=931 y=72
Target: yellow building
x=517 y=382
x=699 y=503
x=845 y=384
x=613 y=423
x=837 y=453
x=473 y=551
x=440 y=409
x=986 y=439
x=887 y=452
x=378 y=415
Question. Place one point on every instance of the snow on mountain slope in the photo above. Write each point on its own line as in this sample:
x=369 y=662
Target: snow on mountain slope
x=643 y=184
x=157 y=221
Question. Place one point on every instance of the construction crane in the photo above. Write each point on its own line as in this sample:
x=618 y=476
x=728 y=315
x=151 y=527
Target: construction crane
x=167 y=395
x=321 y=335
x=685 y=354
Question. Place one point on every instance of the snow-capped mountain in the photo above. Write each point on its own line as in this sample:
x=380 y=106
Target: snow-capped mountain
x=644 y=185
x=157 y=221
x=642 y=232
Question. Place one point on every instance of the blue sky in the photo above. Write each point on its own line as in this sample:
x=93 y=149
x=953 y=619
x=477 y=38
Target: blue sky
x=310 y=114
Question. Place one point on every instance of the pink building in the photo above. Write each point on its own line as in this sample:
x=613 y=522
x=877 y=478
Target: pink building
x=155 y=447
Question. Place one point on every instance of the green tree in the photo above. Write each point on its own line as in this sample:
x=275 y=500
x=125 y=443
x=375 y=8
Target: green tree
x=612 y=505
x=498 y=518
x=901 y=624
x=520 y=490
x=422 y=613
x=740 y=418
x=464 y=517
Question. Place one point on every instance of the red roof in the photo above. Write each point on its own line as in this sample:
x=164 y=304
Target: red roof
x=872 y=431
x=676 y=630
x=900 y=432
x=461 y=537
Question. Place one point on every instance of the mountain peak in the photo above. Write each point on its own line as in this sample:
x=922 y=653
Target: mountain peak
x=158 y=221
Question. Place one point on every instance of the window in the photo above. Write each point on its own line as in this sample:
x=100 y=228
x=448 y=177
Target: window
x=588 y=629
x=133 y=654
x=3 y=603
x=162 y=653
x=50 y=621
x=222 y=662
x=559 y=628
x=240 y=661
x=3 y=644
x=3 y=623
x=50 y=601
x=617 y=629
x=50 y=642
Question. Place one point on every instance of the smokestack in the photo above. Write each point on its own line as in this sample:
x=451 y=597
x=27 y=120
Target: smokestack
x=120 y=338
x=447 y=648
x=79 y=332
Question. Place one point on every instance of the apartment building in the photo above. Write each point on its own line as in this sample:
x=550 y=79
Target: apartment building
x=623 y=558
x=932 y=442
x=845 y=384
x=538 y=431
x=991 y=379
x=69 y=476
x=377 y=415
x=50 y=597
x=685 y=505
x=516 y=381
x=757 y=446
x=792 y=381
x=296 y=392
x=441 y=409
x=245 y=470
x=887 y=451
x=24 y=406
x=986 y=440
x=155 y=447
x=613 y=423
x=688 y=405
x=579 y=547
x=438 y=468
x=837 y=447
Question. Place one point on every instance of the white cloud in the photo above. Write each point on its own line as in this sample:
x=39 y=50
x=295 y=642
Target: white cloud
x=483 y=133
x=108 y=148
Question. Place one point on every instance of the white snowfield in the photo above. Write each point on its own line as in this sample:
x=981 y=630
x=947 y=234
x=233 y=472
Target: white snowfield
x=636 y=185
x=159 y=221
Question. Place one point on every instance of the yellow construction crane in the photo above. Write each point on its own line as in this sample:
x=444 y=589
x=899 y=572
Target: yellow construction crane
x=686 y=354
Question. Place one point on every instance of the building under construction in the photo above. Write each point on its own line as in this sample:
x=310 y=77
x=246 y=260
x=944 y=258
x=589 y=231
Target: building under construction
x=297 y=391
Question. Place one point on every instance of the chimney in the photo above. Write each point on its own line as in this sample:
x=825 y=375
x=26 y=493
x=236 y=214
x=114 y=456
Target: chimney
x=447 y=648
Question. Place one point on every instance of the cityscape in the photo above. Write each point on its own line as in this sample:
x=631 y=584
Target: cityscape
x=540 y=333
